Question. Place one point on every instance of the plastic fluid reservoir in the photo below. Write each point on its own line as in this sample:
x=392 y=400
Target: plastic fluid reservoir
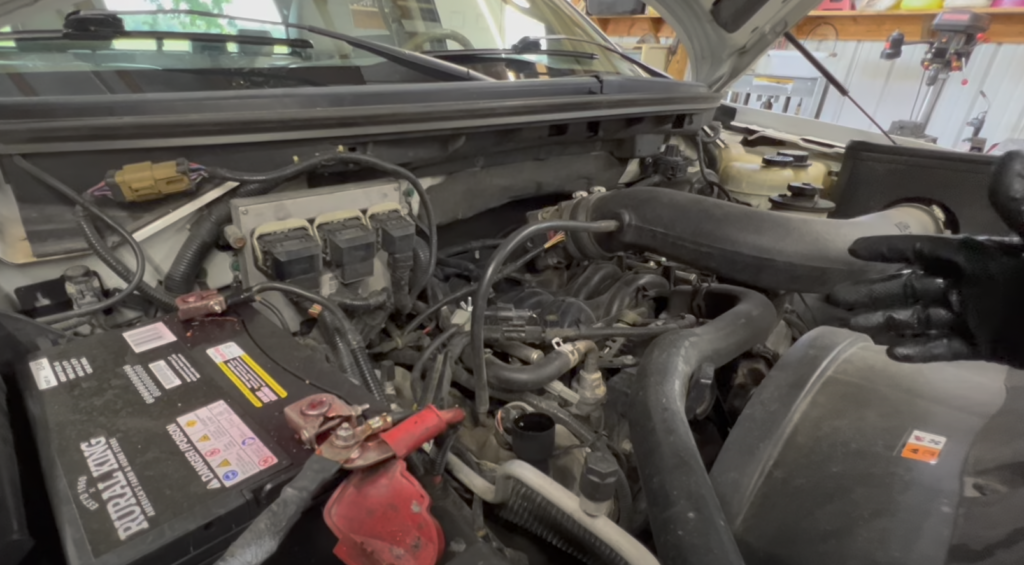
x=734 y=152
x=805 y=170
x=755 y=183
x=804 y=199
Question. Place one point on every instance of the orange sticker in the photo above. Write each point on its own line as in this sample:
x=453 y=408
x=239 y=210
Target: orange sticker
x=921 y=453
x=923 y=446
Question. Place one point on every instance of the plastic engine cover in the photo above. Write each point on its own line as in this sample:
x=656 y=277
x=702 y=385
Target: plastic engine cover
x=844 y=456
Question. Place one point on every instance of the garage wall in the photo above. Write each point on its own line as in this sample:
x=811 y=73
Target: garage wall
x=888 y=88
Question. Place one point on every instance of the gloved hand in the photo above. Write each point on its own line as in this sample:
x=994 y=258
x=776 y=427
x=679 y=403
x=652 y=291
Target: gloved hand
x=962 y=297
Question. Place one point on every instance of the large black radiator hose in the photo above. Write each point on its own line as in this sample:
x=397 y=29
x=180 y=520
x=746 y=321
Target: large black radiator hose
x=761 y=248
x=686 y=517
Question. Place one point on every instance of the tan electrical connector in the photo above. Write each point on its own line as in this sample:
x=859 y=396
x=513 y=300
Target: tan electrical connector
x=142 y=182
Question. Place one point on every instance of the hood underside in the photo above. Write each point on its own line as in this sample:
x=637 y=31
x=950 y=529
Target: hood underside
x=725 y=37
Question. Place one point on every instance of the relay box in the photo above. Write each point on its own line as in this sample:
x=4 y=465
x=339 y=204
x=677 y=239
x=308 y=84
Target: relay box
x=159 y=444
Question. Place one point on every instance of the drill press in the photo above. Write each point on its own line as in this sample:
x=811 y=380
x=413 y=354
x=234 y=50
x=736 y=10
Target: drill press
x=959 y=32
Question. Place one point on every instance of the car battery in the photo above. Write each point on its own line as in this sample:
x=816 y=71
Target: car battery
x=159 y=444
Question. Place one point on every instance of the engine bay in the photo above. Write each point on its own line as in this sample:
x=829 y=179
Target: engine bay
x=596 y=352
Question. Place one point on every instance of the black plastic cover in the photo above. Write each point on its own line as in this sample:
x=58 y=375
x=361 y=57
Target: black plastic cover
x=875 y=177
x=822 y=467
x=159 y=444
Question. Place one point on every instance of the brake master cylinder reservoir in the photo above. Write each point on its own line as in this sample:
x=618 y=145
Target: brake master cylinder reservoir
x=755 y=183
x=804 y=169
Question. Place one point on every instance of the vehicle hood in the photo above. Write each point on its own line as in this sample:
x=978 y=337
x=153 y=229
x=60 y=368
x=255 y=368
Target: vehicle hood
x=725 y=37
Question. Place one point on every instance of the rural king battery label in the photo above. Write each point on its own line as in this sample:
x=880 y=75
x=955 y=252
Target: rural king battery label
x=259 y=387
x=112 y=491
x=227 y=445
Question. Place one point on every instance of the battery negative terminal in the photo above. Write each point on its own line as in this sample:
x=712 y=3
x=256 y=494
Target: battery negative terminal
x=142 y=182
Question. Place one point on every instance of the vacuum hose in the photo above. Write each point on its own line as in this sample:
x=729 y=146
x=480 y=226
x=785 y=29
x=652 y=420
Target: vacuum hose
x=685 y=515
x=763 y=249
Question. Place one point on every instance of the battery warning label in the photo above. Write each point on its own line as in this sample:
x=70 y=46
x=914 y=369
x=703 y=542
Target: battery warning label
x=227 y=445
x=259 y=387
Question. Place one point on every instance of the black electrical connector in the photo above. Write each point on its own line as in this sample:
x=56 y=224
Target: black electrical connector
x=350 y=246
x=290 y=255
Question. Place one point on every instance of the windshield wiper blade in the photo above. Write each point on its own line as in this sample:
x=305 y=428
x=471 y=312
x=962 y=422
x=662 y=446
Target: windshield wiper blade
x=528 y=44
x=60 y=34
x=462 y=53
x=428 y=66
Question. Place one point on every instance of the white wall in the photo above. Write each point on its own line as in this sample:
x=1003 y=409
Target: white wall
x=887 y=89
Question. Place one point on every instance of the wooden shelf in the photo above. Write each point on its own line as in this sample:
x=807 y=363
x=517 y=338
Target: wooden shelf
x=1007 y=25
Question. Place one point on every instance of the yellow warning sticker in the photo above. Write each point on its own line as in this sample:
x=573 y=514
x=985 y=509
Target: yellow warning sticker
x=191 y=424
x=259 y=387
x=204 y=437
x=224 y=463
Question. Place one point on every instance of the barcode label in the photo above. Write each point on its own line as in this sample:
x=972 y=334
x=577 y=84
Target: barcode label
x=165 y=374
x=43 y=374
x=144 y=339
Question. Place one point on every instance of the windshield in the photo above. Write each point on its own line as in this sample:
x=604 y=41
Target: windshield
x=159 y=52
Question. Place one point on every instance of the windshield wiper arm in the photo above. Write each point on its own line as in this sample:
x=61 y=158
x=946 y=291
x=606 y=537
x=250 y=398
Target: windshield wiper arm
x=429 y=66
x=528 y=44
x=461 y=53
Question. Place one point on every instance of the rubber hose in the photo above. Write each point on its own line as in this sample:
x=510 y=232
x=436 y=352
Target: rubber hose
x=113 y=262
x=420 y=265
x=685 y=515
x=376 y=299
x=760 y=248
x=203 y=235
x=492 y=274
x=532 y=512
x=430 y=387
x=524 y=378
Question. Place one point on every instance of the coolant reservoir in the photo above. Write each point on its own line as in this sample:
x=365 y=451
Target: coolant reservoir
x=803 y=199
x=735 y=153
x=804 y=169
x=755 y=183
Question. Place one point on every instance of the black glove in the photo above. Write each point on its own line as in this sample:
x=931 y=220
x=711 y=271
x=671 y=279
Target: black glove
x=963 y=297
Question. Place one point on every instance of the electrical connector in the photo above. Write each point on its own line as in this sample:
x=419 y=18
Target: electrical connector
x=142 y=182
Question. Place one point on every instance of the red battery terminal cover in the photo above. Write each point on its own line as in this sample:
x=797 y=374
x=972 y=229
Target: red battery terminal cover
x=380 y=513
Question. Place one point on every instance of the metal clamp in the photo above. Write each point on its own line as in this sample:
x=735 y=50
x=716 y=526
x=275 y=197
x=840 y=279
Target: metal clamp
x=323 y=413
x=199 y=304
